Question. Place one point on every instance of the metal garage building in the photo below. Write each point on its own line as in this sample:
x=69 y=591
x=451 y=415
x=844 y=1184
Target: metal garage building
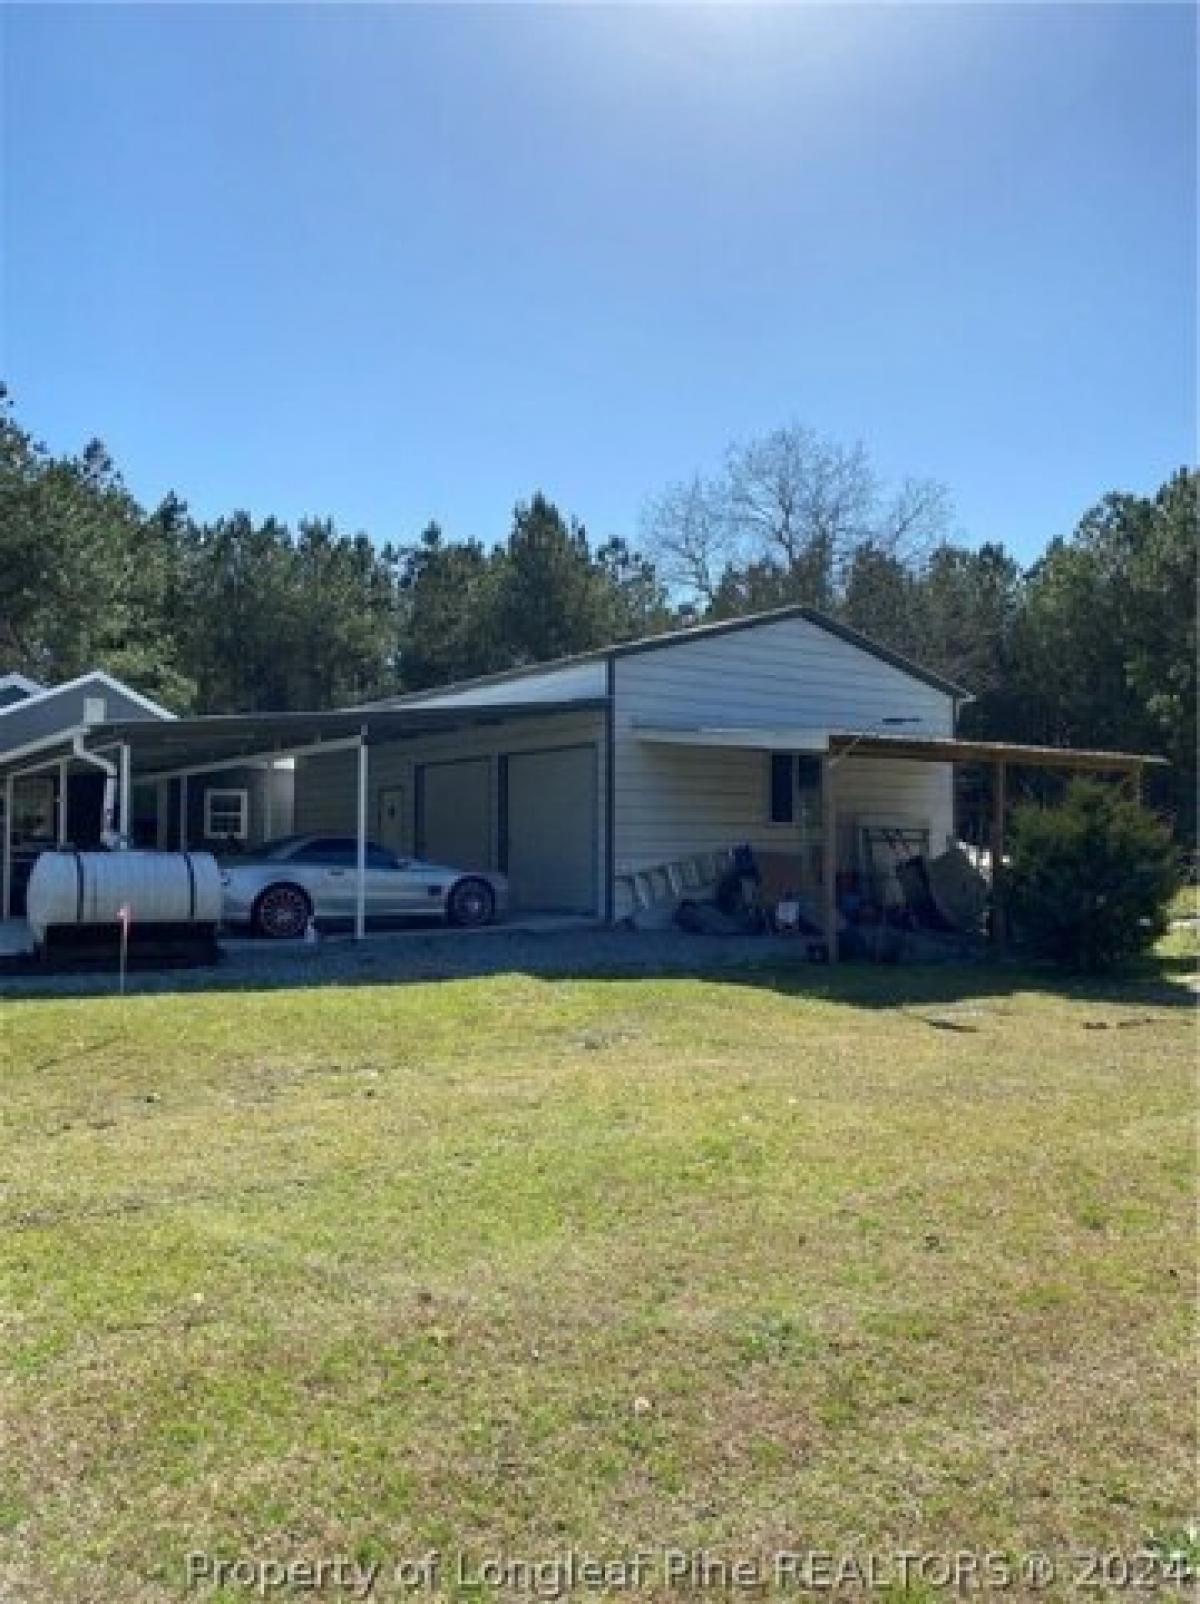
x=598 y=784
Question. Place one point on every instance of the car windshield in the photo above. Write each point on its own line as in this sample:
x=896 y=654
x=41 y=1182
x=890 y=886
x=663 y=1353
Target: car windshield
x=336 y=851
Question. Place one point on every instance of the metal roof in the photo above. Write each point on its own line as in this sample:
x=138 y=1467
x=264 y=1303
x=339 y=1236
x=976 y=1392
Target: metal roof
x=216 y=737
x=682 y=637
x=952 y=749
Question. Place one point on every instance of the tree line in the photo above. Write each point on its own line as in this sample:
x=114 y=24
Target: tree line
x=1093 y=644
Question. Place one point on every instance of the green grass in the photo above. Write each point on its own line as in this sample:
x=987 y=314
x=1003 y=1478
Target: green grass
x=861 y=1261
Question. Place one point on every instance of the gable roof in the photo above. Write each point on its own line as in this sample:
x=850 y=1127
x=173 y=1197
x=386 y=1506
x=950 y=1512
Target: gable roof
x=94 y=676
x=696 y=632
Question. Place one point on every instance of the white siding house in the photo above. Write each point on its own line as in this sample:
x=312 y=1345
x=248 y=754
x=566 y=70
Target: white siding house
x=670 y=754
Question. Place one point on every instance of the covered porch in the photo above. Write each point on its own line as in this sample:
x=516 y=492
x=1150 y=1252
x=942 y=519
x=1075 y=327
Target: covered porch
x=838 y=815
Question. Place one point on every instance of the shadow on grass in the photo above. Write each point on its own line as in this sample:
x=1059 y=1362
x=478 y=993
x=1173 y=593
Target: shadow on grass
x=600 y=955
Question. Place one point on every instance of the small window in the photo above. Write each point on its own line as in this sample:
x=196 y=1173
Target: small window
x=795 y=787
x=329 y=852
x=226 y=815
x=783 y=789
x=808 y=772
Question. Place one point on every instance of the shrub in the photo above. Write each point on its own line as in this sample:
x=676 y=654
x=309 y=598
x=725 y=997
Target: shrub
x=1089 y=881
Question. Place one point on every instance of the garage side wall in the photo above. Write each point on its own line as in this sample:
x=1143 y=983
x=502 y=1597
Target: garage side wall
x=325 y=786
x=672 y=801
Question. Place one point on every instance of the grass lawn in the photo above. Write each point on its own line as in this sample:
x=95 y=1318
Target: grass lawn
x=860 y=1261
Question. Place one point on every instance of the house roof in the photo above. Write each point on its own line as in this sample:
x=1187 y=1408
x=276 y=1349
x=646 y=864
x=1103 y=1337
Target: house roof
x=94 y=676
x=681 y=637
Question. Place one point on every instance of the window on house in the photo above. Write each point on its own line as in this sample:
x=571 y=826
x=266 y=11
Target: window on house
x=795 y=788
x=783 y=788
x=227 y=815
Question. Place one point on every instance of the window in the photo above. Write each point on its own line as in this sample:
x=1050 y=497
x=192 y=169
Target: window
x=794 y=788
x=783 y=791
x=341 y=852
x=33 y=809
x=333 y=851
x=226 y=815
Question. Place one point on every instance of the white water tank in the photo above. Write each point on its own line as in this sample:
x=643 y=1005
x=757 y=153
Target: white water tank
x=90 y=888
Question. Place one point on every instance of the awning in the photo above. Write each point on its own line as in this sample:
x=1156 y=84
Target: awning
x=840 y=744
x=950 y=749
x=782 y=738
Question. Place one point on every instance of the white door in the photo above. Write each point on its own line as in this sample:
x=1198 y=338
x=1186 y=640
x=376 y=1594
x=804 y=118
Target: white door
x=551 y=821
x=389 y=831
x=454 y=813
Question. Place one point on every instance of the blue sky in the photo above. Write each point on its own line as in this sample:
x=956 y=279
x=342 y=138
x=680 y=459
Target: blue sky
x=400 y=263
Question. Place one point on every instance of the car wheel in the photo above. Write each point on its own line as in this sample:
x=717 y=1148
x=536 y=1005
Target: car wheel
x=282 y=913
x=471 y=903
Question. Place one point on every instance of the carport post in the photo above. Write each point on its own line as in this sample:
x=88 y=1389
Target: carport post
x=62 y=803
x=360 y=887
x=126 y=803
x=8 y=812
x=829 y=856
x=183 y=812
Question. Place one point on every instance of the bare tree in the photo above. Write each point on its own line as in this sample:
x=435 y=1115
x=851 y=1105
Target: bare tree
x=914 y=521
x=689 y=533
x=801 y=503
x=793 y=510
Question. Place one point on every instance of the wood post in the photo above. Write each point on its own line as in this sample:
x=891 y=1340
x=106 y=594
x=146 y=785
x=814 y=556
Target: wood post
x=829 y=856
x=999 y=803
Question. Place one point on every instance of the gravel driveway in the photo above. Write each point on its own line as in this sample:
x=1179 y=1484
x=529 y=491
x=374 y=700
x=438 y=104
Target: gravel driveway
x=437 y=955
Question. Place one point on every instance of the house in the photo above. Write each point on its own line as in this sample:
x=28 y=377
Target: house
x=63 y=785
x=601 y=785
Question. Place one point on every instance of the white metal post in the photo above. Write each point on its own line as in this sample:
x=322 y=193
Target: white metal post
x=62 y=803
x=360 y=889
x=8 y=813
x=126 y=802
x=183 y=812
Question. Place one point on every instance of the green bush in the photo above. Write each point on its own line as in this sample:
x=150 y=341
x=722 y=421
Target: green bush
x=1089 y=880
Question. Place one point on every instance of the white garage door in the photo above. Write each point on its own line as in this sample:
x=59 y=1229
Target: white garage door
x=550 y=816
x=454 y=813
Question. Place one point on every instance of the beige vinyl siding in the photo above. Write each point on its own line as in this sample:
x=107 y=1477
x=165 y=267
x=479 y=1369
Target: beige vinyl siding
x=672 y=801
x=326 y=786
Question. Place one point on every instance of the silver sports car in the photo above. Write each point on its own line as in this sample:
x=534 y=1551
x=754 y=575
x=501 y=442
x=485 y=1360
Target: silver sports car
x=284 y=884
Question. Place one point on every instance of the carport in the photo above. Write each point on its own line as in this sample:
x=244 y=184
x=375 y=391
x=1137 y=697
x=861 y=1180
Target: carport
x=129 y=752
x=831 y=747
